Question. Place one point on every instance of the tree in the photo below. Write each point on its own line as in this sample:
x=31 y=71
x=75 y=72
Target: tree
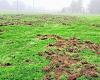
x=18 y=5
x=65 y=10
x=76 y=6
x=94 y=6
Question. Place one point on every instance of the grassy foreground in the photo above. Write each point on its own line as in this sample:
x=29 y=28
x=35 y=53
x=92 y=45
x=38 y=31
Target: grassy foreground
x=19 y=46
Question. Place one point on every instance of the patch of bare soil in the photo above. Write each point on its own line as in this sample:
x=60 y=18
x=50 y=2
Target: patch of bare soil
x=41 y=20
x=1 y=30
x=96 y=25
x=73 y=45
x=7 y=23
x=66 y=59
x=1 y=17
x=5 y=65
x=28 y=23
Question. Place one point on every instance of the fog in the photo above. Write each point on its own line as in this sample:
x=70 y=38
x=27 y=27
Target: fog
x=62 y=6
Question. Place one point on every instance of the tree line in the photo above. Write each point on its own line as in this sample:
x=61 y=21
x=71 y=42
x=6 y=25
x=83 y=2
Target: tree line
x=75 y=6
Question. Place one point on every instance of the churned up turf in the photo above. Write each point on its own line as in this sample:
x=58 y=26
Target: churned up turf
x=66 y=58
x=49 y=47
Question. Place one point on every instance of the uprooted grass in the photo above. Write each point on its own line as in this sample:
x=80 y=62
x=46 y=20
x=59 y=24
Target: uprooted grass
x=66 y=58
x=19 y=46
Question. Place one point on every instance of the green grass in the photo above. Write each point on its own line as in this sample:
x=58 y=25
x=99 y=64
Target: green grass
x=19 y=43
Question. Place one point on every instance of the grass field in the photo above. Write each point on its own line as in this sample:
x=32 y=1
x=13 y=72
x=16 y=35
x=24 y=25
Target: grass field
x=19 y=44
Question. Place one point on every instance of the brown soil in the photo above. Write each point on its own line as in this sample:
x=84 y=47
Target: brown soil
x=28 y=23
x=7 y=23
x=49 y=19
x=66 y=58
x=71 y=45
x=96 y=25
x=5 y=65
x=1 y=30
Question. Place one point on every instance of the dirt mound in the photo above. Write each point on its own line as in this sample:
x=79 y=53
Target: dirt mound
x=40 y=20
x=7 y=23
x=66 y=59
x=73 y=45
x=1 y=30
x=96 y=25
x=62 y=64
x=5 y=64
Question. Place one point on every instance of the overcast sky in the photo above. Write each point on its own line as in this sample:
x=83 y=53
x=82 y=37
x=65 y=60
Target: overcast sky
x=49 y=4
x=56 y=4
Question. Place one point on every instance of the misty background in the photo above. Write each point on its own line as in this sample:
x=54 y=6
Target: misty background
x=62 y=6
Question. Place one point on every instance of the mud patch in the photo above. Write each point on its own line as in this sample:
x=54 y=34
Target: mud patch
x=66 y=58
x=73 y=45
x=66 y=64
x=96 y=25
x=7 y=23
x=28 y=23
x=5 y=65
x=1 y=31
